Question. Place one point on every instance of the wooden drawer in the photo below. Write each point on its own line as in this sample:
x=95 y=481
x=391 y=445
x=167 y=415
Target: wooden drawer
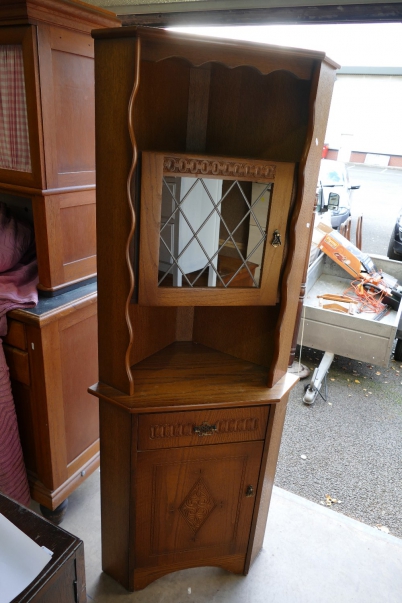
x=16 y=334
x=195 y=428
x=18 y=363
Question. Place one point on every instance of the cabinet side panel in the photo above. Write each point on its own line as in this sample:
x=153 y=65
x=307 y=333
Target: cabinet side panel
x=245 y=333
x=78 y=344
x=266 y=479
x=115 y=455
x=161 y=107
x=270 y=123
x=47 y=410
x=49 y=243
x=320 y=101
x=154 y=328
x=114 y=81
x=67 y=90
x=78 y=221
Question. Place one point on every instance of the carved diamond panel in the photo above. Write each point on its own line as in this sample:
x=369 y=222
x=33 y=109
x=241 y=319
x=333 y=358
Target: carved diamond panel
x=197 y=506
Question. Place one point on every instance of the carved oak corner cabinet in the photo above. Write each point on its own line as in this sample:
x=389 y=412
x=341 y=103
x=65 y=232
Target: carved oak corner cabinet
x=207 y=155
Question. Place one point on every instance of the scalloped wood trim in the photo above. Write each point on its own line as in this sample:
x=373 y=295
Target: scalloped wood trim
x=200 y=50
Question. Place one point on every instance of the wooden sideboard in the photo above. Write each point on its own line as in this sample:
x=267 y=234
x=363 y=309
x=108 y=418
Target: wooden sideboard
x=48 y=178
x=209 y=152
x=51 y=351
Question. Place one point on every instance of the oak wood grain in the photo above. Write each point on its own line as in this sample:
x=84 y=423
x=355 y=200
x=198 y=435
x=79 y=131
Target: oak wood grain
x=67 y=80
x=144 y=576
x=153 y=169
x=244 y=332
x=301 y=219
x=58 y=420
x=161 y=44
x=169 y=485
x=114 y=80
x=51 y=499
x=16 y=335
x=167 y=430
x=59 y=86
x=213 y=357
x=188 y=376
x=266 y=479
x=18 y=364
x=72 y=14
x=115 y=451
x=197 y=112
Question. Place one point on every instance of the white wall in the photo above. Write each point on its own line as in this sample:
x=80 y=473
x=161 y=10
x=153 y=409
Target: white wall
x=366 y=111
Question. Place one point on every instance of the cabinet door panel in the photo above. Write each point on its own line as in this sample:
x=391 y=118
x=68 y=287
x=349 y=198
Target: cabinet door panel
x=192 y=503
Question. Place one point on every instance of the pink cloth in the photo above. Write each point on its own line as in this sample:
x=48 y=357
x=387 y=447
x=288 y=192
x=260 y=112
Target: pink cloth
x=17 y=290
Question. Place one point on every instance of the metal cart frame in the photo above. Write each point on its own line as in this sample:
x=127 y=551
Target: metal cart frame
x=356 y=336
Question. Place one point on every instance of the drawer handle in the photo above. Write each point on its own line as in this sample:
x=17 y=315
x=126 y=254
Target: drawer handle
x=250 y=491
x=204 y=429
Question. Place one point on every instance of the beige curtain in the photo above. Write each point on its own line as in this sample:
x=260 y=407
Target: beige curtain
x=14 y=138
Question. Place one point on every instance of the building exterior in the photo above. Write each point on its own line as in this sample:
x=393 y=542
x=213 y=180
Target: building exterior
x=365 y=121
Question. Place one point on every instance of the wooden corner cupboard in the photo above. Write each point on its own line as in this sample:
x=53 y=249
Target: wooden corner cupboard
x=207 y=155
x=47 y=157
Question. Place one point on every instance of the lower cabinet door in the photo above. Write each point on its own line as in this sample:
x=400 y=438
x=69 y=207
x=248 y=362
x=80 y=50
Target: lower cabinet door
x=194 y=505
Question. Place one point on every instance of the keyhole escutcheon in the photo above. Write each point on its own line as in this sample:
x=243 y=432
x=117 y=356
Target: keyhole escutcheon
x=276 y=241
x=250 y=491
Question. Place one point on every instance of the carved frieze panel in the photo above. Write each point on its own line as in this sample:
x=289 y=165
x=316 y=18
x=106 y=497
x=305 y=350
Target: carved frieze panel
x=174 y=430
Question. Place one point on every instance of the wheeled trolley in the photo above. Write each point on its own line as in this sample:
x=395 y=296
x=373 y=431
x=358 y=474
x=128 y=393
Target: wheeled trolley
x=357 y=336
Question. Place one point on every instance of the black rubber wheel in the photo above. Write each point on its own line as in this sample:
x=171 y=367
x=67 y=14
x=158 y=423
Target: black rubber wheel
x=398 y=351
x=306 y=387
x=391 y=253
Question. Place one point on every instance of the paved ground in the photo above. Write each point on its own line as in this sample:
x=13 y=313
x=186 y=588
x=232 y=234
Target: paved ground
x=353 y=441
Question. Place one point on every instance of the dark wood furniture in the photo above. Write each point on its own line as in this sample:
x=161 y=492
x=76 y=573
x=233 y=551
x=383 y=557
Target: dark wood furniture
x=63 y=578
x=193 y=380
x=58 y=77
x=51 y=351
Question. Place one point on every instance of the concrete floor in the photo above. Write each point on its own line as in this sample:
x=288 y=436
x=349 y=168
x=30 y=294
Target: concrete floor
x=310 y=554
x=350 y=445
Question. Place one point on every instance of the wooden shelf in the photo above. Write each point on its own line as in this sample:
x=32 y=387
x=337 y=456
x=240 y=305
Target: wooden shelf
x=188 y=375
